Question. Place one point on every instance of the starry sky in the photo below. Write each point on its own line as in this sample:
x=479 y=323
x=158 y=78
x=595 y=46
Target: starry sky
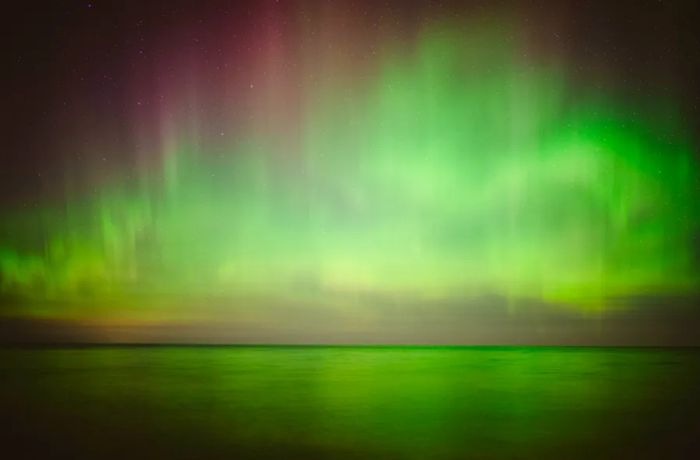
x=351 y=172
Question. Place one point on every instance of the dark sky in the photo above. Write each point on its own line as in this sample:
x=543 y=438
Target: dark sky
x=67 y=61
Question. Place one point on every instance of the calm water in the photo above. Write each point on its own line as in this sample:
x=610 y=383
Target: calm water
x=354 y=402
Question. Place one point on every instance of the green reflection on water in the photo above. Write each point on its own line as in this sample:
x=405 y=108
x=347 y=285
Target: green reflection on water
x=360 y=402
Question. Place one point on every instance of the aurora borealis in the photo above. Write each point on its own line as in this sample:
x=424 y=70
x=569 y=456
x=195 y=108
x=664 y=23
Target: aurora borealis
x=359 y=162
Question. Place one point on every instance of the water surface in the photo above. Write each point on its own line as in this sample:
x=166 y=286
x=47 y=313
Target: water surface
x=349 y=402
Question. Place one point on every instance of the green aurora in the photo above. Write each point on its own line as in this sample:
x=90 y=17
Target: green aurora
x=459 y=167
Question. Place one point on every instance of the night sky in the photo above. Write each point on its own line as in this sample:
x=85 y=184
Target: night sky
x=351 y=172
